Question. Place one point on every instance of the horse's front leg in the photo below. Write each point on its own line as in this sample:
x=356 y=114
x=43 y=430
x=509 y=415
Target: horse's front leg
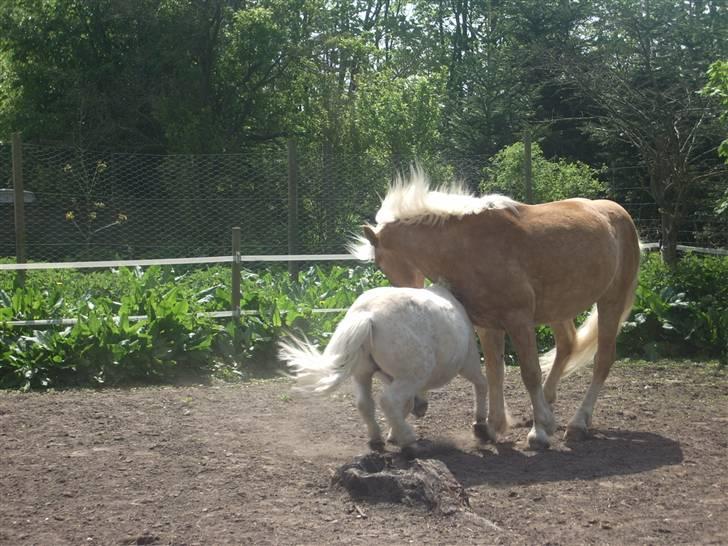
x=523 y=336
x=473 y=373
x=493 y=343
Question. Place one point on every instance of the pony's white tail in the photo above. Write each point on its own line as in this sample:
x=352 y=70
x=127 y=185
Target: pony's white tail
x=585 y=344
x=322 y=373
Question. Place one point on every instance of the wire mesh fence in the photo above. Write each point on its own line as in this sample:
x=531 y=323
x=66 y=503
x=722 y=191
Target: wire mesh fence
x=92 y=205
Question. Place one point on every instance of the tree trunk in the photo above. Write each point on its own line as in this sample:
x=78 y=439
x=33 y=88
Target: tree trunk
x=668 y=238
x=663 y=187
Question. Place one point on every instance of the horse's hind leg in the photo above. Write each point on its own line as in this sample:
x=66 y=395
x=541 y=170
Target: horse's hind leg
x=609 y=321
x=365 y=405
x=472 y=372
x=397 y=400
x=564 y=334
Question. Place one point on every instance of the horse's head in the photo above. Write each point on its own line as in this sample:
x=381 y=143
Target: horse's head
x=399 y=270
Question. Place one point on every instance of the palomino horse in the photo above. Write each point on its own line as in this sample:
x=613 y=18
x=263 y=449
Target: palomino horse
x=514 y=266
x=416 y=340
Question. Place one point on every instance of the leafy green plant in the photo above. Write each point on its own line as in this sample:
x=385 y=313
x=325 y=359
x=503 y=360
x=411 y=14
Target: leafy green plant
x=110 y=345
x=680 y=312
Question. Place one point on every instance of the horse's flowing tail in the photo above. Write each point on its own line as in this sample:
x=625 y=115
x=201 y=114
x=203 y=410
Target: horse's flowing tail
x=322 y=373
x=585 y=343
x=583 y=351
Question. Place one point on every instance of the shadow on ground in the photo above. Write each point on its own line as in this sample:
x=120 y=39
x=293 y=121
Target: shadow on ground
x=611 y=453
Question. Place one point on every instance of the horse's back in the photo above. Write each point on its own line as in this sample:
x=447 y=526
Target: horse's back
x=556 y=259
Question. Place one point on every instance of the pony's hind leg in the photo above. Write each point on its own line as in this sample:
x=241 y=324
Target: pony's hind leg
x=419 y=408
x=564 y=334
x=419 y=405
x=365 y=405
x=397 y=400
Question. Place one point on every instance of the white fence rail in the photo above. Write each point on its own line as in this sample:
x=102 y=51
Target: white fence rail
x=179 y=261
x=686 y=248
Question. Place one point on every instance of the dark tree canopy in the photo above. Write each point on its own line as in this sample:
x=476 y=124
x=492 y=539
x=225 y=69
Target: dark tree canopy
x=602 y=82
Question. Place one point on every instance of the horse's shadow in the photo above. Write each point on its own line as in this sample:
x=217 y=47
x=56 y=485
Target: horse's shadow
x=608 y=453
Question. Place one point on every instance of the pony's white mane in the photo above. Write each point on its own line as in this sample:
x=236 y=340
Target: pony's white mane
x=412 y=201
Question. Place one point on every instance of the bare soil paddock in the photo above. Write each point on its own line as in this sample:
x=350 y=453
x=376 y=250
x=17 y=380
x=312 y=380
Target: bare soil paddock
x=251 y=464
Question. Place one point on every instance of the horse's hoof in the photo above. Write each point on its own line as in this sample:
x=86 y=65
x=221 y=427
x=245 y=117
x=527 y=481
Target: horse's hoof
x=420 y=407
x=376 y=445
x=576 y=434
x=538 y=441
x=483 y=432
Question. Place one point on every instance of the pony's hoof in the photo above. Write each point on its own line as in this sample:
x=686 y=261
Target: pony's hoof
x=483 y=432
x=409 y=452
x=576 y=434
x=376 y=445
x=420 y=407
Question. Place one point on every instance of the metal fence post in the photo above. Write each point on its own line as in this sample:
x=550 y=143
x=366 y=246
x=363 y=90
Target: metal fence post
x=292 y=205
x=19 y=203
x=527 y=168
x=235 y=295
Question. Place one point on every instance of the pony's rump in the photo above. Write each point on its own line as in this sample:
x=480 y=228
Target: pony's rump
x=322 y=373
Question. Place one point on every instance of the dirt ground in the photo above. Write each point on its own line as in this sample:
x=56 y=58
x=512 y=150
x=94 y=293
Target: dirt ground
x=252 y=464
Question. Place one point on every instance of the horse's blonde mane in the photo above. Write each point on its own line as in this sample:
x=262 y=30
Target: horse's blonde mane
x=412 y=201
x=360 y=248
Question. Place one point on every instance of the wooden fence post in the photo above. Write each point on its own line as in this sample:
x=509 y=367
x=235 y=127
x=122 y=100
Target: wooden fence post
x=527 y=168
x=235 y=296
x=19 y=204
x=292 y=205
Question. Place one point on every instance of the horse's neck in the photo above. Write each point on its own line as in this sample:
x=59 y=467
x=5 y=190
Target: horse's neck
x=426 y=247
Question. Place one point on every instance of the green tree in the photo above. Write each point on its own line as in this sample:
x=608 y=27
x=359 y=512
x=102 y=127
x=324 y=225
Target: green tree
x=644 y=83
x=552 y=179
x=79 y=71
x=718 y=87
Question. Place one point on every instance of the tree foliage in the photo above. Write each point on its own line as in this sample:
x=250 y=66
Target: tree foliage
x=552 y=179
x=601 y=81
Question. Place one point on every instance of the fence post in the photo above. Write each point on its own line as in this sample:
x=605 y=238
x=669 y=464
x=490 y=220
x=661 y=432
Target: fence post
x=292 y=205
x=19 y=204
x=235 y=296
x=527 y=171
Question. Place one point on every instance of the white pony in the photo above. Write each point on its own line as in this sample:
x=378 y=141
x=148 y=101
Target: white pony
x=414 y=339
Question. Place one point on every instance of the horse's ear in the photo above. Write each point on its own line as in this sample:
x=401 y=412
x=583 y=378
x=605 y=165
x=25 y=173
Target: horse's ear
x=371 y=236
